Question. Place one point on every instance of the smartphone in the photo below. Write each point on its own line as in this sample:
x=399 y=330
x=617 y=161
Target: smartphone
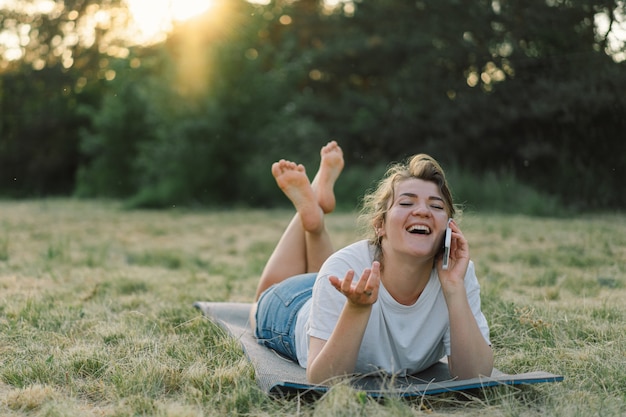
x=446 y=246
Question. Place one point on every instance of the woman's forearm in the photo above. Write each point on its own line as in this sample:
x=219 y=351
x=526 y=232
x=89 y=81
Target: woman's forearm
x=338 y=355
x=470 y=354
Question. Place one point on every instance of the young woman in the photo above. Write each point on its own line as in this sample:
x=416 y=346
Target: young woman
x=381 y=304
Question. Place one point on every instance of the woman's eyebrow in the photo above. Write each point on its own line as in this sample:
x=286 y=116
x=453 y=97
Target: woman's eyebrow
x=412 y=195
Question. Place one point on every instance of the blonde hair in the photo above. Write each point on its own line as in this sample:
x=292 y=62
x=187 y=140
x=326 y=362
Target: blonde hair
x=377 y=203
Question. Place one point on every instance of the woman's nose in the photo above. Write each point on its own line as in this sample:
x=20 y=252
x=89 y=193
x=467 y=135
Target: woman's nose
x=421 y=210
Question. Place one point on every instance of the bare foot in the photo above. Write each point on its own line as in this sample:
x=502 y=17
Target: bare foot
x=292 y=179
x=329 y=170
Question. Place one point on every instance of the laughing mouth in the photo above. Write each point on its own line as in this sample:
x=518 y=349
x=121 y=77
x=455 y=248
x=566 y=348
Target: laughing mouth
x=419 y=229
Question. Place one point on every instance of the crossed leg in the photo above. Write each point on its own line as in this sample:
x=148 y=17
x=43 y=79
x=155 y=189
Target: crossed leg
x=305 y=243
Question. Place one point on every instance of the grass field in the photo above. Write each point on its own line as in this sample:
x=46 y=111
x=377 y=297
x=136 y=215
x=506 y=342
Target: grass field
x=96 y=317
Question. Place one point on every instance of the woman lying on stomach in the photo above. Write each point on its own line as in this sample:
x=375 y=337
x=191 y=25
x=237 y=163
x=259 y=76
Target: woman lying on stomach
x=381 y=304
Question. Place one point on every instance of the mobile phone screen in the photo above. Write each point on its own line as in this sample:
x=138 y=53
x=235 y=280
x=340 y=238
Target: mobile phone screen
x=446 y=246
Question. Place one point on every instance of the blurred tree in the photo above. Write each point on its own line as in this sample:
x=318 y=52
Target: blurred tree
x=38 y=134
x=553 y=113
x=56 y=64
x=489 y=86
x=121 y=122
x=220 y=89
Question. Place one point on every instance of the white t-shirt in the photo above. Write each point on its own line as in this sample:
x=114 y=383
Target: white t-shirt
x=399 y=339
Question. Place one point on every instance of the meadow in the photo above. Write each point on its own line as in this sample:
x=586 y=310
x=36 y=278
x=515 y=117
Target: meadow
x=96 y=315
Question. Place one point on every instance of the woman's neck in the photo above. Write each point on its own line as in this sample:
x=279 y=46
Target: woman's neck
x=405 y=281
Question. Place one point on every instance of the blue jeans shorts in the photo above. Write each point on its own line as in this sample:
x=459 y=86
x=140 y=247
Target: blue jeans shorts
x=277 y=311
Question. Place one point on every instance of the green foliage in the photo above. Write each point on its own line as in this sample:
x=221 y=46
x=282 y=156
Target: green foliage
x=522 y=96
x=41 y=94
x=39 y=126
x=208 y=148
x=482 y=88
x=111 y=145
x=502 y=192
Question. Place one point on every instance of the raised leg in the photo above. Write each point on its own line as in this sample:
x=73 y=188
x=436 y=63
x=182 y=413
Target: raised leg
x=305 y=244
x=323 y=184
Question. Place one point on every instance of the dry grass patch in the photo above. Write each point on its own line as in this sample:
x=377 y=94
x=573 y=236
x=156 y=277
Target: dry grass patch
x=96 y=316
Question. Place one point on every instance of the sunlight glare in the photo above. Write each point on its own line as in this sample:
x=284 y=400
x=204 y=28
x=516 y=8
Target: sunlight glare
x=154 y=18
x=615 y=33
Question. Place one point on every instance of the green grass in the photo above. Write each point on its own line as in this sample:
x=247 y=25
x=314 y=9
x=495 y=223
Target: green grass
x=96 y=314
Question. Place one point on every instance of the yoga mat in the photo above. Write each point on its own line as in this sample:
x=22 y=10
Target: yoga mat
x=281 y=377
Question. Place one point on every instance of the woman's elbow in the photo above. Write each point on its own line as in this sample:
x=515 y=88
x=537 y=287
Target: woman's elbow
x=482 y=367
x=314 y=377
x=319 y=375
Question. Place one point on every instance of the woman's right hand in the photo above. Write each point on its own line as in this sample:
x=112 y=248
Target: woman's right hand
x=365 y=292
x=338 y=355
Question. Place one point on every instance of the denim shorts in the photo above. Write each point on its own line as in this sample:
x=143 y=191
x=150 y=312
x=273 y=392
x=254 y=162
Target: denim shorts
x=277 y=312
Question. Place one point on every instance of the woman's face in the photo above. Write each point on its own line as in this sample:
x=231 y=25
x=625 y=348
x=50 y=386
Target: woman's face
x=416 y=220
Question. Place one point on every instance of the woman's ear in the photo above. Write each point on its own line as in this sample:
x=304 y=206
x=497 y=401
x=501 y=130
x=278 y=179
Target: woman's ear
x=379 y=227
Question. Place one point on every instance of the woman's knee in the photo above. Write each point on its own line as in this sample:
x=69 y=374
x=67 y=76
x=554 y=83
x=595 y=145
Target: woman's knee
x=252 y=317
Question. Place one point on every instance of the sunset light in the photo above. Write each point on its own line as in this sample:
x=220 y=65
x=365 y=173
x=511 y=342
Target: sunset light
x=154 y=18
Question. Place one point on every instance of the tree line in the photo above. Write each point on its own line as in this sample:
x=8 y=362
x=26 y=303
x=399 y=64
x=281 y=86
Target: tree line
x=508 y=89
